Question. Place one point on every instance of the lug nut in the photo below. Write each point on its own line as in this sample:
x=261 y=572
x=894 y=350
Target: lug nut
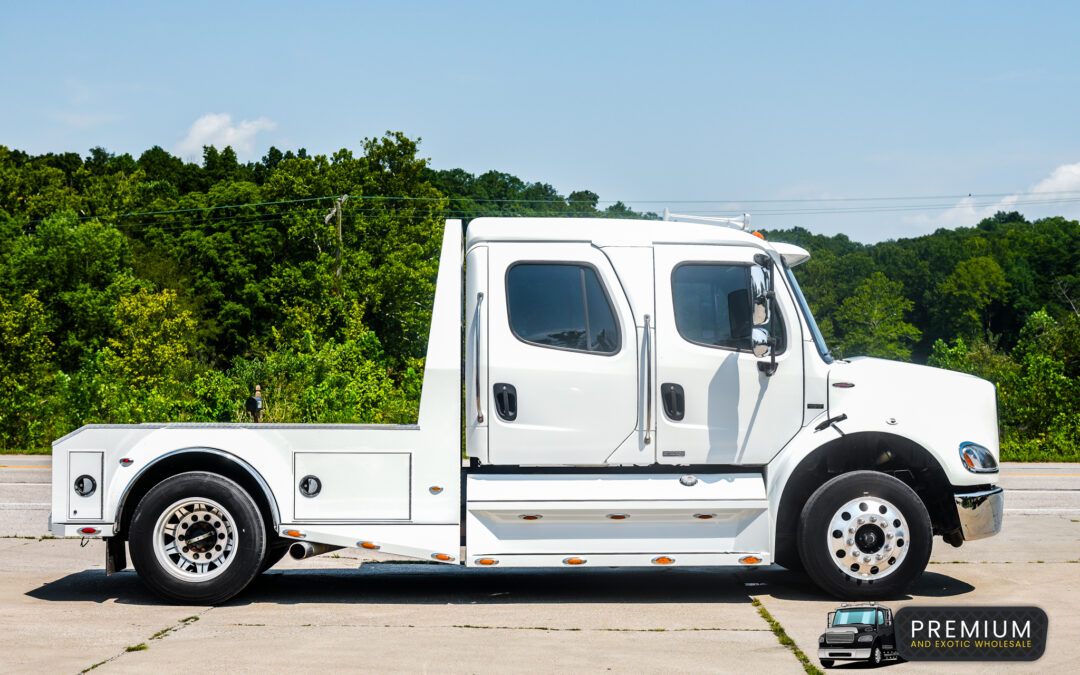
x=860 y=521
x=850 y=542
x=873 y=519
x=888 y=547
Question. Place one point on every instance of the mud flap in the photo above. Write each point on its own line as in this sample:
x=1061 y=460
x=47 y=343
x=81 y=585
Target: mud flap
x=115 y=555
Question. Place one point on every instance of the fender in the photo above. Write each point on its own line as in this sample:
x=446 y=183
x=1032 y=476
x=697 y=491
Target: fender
x=271 y=501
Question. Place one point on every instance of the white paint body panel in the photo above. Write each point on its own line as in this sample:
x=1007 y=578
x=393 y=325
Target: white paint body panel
x=401 y=487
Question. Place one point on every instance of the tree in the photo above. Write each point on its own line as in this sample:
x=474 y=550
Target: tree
x=968 y=291
x=26 y=373
x=872 y=320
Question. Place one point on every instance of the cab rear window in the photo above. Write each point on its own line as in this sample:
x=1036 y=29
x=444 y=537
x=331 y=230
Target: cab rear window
x=561 y=305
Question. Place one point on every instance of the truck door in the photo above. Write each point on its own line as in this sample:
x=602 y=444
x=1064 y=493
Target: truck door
x=714 y=404
x=562 y=365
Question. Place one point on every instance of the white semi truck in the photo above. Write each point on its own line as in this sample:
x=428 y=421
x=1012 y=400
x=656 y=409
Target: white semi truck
x=636 y=393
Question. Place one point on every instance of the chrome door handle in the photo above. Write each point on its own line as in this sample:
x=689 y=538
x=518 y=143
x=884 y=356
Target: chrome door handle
x=648 y=382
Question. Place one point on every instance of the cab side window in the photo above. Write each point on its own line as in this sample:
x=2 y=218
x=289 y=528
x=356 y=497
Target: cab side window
x=561 y=305
x=712 y=306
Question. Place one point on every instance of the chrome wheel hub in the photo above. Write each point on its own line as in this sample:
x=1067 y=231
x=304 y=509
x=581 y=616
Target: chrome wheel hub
x=195 y=539
x=867 y=538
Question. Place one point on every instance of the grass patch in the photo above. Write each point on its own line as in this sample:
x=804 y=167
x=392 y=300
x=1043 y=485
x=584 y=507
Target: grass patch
x=784 y=638
x=141 y=647
x=189 y=619
x=47 y=450
x=99 y=663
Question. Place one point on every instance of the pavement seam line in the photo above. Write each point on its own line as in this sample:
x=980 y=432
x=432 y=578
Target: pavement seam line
x=784 y=639
x=143 y=646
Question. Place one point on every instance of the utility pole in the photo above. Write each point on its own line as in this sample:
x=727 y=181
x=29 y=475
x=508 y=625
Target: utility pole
x=336 y=210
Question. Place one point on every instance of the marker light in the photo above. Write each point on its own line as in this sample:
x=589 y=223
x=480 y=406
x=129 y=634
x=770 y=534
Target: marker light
x=297 y=534
x=442 y=556
x=663 y=560
x=704 y=516
x=487 y=561
x=530 y=516
x=574 y=561
x=369 y=545
x=758 y=234
x=750 y=560
x=618 y=516
x=89 y=530
x=435 y=489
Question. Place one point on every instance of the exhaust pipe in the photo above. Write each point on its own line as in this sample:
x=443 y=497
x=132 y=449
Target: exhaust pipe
x=306 y=549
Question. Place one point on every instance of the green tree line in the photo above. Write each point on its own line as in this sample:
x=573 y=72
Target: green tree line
x=149 y=289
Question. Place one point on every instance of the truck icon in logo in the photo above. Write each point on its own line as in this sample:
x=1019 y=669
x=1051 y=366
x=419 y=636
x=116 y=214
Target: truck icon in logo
x=858 y=632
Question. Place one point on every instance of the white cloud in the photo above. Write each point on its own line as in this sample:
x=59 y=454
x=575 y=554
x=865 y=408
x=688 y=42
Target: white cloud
x=1056 y=195
x=217 y=129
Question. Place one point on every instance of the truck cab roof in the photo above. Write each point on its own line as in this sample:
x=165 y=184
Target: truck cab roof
x=604 y=232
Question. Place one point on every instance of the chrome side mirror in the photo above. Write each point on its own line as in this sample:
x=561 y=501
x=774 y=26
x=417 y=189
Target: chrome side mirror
x=762 y=343
x=760 y=294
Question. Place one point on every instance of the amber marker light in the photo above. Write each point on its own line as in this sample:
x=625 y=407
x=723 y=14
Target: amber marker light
x=618 y=516
x=758 y=235
x=435 y=489
x=442 y=556
x=750 y=560
x=369 y=545
x=663 y=560
x=704 y=516
x=574 y=561
x=487 y=561
x=530 y=516
x=297 y=534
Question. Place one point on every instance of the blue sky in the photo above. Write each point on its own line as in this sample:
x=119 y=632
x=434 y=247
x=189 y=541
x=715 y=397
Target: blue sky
x=673 y=102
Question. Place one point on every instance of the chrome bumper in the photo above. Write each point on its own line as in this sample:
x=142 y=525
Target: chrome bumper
x=980 y=512
x=841 y=653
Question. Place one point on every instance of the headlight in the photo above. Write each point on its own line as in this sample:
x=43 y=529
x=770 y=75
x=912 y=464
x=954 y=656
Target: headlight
x=821 y=640
x=866 y=638
x=977 y=459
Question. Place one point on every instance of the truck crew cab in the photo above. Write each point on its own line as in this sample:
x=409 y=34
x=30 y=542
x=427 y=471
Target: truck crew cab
x=637 y=393
x=862 y=632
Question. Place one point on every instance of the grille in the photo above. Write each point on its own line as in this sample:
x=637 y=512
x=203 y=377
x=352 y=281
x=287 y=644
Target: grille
x=839 y=638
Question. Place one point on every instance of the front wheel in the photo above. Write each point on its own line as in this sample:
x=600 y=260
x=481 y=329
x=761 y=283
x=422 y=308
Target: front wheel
x=826 y=663
x=197 y=538
x=864 y=535
x=876 y=657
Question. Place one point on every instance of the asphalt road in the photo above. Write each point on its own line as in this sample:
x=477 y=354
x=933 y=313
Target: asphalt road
x=348 y=611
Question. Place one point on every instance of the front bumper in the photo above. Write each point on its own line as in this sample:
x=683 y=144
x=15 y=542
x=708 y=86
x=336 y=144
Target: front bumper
x=836 y=652
x=980 y=513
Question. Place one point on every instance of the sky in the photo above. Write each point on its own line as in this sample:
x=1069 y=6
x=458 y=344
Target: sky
x=872 y=120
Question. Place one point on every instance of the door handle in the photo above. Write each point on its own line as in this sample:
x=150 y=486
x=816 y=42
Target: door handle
x=506 y=401
x=674 y=400
x=476 y=359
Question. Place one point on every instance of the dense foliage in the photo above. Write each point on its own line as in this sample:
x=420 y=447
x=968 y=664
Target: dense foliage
x=148 y=289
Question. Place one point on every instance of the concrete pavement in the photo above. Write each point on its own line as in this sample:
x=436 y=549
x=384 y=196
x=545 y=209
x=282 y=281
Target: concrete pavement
x=62 y=614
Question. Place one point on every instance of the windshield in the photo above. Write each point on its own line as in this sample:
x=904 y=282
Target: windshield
x=846 y=617
x=814 y=330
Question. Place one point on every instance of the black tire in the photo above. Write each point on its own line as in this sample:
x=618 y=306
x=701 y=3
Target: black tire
x=274 y=553
x=248 y=530
x=814 y=524
x=827 y=663
x=876 y=657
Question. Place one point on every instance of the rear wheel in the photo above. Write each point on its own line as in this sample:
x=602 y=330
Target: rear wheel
x=274 y=553
x=864 y=535
x=197 y=538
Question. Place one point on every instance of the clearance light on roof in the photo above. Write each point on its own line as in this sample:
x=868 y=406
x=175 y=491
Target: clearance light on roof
x=368 y=545
x=663 y=560
x=487 y=561
x=296 y=534
x=749 y=560
x=758 y=235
